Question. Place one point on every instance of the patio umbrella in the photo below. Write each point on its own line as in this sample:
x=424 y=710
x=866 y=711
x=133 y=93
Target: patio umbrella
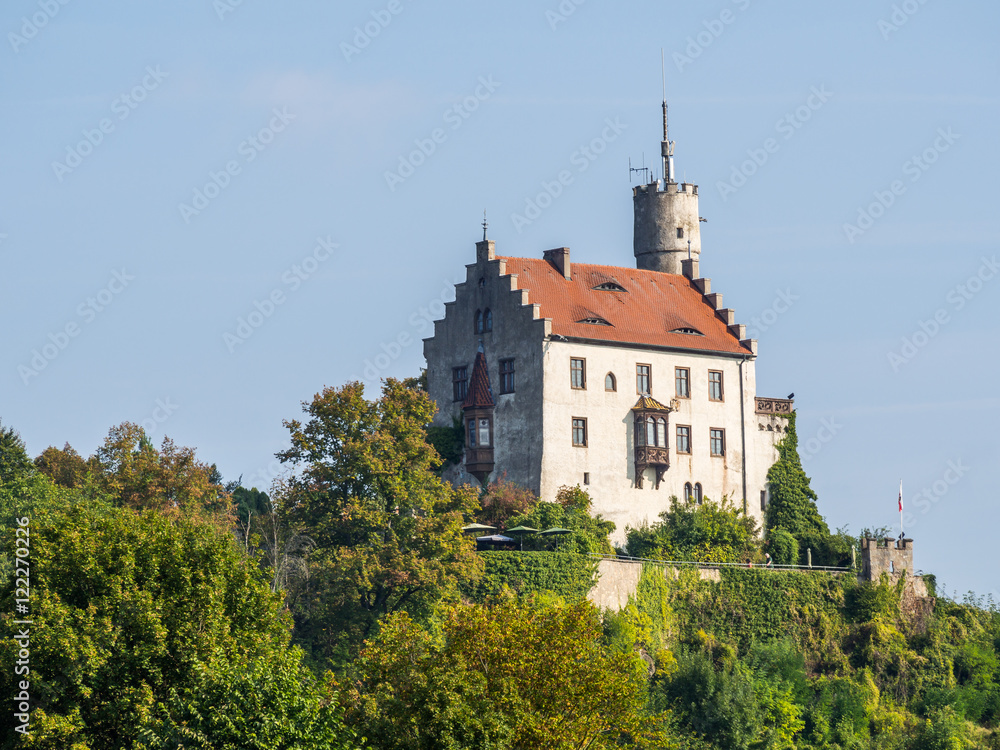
x=557 y=531
x=521 y=531
x=477 y=527
x=494 y=538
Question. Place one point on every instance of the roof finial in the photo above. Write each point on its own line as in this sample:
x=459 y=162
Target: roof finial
x=666 y=145
x=485 y=225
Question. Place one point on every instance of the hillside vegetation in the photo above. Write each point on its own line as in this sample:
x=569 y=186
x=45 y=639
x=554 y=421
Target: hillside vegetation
x=344 y=607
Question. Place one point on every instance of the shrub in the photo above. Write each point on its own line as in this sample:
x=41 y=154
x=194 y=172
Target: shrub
x=784 y=547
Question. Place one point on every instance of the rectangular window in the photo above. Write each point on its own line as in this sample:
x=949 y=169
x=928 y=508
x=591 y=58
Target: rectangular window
x=459 y=383
x=642 y=380
x=586 y=477
x=578 y=374
x=683 y=439
x=682 y=380
x=484 y=433
x=717 y=438
x=580 y=432
x=763 y=500
x=506 y=376
x=472 y=433
x=714 y=385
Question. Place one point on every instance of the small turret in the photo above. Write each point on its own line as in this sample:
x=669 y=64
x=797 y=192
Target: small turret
x=478 y=416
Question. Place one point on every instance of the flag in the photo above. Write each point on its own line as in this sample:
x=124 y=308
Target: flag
x=900 y=495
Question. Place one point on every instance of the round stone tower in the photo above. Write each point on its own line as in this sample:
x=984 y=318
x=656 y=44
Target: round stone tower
x=667 y=225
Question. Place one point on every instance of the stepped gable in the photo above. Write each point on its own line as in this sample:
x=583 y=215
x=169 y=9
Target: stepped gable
x=652 y=306
x=480 y=395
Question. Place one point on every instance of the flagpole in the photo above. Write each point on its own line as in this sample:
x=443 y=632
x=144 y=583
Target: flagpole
x=901 y=535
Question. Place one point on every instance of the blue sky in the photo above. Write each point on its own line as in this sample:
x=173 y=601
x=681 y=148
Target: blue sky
x=320 y=171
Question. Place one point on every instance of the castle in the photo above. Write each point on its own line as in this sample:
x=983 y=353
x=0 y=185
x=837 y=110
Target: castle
x=635 y=383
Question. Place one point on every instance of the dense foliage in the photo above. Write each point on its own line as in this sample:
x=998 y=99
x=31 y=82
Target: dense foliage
x=163 y=601
x=792 y=505
x=705 y=532
x=150 y=629
x=386 y=531
x=567 y=575
x=586 y=534
x=449 y=442
x=765 y=659
x=501 y=500
x=502 y=675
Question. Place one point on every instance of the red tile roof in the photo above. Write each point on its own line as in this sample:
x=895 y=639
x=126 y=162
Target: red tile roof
x=652 y=306
x=480 y=394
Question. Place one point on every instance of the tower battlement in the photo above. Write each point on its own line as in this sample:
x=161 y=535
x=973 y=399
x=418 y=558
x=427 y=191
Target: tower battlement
x=891 y=556
x=670 y=187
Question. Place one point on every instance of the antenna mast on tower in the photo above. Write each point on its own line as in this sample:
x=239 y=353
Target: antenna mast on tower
x=666 y=145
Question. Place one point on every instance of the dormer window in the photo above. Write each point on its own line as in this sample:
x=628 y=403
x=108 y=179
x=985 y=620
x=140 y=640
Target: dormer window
x=688 y=331
x=609 y=286
x=595 y=321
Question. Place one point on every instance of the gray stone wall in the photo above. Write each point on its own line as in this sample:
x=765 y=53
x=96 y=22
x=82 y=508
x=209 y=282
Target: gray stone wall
x=893 y=557
x=517 y=333
x=657 y=216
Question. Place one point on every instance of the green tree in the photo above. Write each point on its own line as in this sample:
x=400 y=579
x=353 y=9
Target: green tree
x=65 y=467
x=14 y=461
x=130 y=469
x=387 y=530
x=142 y=626
x=502 y=676
x=251 y=702
x=793 y=502
x=709 y=532
x=784 y=547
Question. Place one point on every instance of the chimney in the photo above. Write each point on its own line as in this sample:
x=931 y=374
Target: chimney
x=486 y=251
x=559 y=257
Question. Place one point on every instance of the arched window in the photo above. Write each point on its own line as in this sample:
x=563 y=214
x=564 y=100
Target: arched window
x=688 y=491
x=697 y=493
x=479 y=321
x=488 y=320
x=661 y=432
x=650 y=431
x=609 y=382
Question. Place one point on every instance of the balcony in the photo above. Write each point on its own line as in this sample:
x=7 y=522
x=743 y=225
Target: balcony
x=773 y=405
